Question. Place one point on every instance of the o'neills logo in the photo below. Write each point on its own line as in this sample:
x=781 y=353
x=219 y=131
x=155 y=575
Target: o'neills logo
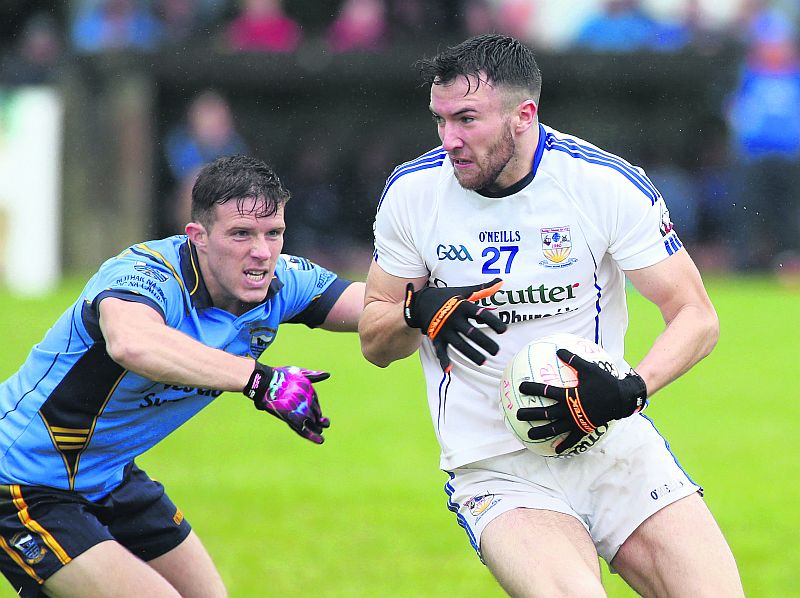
x=533 y=295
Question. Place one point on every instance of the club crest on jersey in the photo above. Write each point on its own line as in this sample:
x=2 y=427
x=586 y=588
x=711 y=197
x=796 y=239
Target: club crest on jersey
x=556 y=247
x=29 y=546
x=261 y=337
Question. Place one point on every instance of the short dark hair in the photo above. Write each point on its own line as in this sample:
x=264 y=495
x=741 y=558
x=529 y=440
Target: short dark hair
x=236 y=178
x=500 y=59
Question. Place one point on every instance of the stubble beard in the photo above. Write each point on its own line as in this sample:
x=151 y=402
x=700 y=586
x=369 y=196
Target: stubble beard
x=497 y=158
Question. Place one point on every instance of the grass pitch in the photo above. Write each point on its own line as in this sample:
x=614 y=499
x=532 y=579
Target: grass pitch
x=365 y=514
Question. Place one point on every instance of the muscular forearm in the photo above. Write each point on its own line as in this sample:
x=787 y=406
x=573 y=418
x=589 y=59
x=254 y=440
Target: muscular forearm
x=166 y=355
x=385 y=337
x=137 y=339
x=689 y=337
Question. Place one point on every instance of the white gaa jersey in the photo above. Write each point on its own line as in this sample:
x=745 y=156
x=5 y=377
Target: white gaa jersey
x=560 y=241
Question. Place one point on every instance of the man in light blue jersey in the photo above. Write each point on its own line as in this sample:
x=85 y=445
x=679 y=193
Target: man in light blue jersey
x=158 y=333
x=558 y=223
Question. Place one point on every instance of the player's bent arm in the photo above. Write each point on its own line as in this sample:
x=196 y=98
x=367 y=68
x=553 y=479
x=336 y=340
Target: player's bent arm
x=692 y=326
x=139 y=340
x=347 y=310
x=385 y=336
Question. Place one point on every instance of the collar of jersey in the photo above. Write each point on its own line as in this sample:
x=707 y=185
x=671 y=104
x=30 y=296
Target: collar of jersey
x=525 y=181
x=196 y=286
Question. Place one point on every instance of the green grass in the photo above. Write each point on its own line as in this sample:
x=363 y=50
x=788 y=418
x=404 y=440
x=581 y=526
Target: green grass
x=365 y=514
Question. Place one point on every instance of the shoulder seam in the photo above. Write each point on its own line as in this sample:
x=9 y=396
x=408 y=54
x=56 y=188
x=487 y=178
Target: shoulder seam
x=594 y=155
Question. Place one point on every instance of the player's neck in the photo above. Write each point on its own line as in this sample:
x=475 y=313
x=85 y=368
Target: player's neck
x=519 y=170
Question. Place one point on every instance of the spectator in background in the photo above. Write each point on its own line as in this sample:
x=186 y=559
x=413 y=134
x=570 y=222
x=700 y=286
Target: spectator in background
x=181 y=19
x=764 y=120
x=624 y=26
x=360 y=25
x=208 y=133
x=36 y=54
x=479 y=17
x=318 y=220
x=188 y=21
x=713 y=175
x=115 y=25
x=263 y=26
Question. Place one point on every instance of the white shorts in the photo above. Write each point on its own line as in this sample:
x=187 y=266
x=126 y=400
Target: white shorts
x=610 y=489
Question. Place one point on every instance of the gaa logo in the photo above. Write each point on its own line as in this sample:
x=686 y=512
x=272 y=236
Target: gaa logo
x=453 y=253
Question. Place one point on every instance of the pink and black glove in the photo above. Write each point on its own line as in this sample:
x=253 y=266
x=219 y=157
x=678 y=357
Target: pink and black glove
x=287 y=393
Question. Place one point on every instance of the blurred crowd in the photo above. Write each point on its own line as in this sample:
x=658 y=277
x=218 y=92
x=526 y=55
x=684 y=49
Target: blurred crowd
x=737 y=200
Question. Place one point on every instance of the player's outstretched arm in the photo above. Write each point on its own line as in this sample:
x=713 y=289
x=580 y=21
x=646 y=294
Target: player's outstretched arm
x=692 y=326
x=138 y=339
x=346 y=312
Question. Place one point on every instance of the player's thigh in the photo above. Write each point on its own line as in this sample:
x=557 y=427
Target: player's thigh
x=534 y=552
x=189 y=569
x=679 y=551
x=107 y=570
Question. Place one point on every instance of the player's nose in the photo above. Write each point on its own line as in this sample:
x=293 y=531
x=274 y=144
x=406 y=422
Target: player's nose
x=450 y=137
x=261 y=249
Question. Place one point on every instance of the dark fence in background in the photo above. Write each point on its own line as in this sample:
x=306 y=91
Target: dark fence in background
x=346 y=120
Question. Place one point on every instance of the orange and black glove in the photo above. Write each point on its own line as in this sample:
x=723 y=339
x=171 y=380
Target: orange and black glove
x=443 y=314
x=598 y=398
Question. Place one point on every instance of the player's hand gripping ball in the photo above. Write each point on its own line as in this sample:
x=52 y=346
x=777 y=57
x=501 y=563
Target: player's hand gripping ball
x=537 y=362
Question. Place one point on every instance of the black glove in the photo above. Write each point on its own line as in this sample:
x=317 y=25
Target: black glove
x=598 y=398
x=287 y=393
x=442 y=314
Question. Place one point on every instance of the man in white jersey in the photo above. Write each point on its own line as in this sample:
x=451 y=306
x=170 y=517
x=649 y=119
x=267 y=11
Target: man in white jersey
x=542 y=227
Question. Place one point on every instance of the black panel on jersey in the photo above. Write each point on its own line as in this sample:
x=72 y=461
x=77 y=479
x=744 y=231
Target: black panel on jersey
x=72 y=409
x=315 y=314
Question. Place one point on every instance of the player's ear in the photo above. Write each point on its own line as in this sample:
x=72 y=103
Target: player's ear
x=526 y=115
x=197 y=233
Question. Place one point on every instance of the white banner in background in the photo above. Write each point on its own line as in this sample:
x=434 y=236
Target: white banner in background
x=30 y=188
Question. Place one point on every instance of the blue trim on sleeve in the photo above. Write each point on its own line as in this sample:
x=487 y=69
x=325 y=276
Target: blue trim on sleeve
x=672 y=244
x=594 y=155
x=125 y=296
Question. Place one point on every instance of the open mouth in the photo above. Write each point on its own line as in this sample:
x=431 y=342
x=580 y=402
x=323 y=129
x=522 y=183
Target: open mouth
x=255 y=275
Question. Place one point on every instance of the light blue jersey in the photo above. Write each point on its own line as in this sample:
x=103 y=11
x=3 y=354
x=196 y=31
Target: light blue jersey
x=72 y=418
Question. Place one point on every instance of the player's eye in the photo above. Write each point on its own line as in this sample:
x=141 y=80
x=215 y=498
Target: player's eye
x=437 y=119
